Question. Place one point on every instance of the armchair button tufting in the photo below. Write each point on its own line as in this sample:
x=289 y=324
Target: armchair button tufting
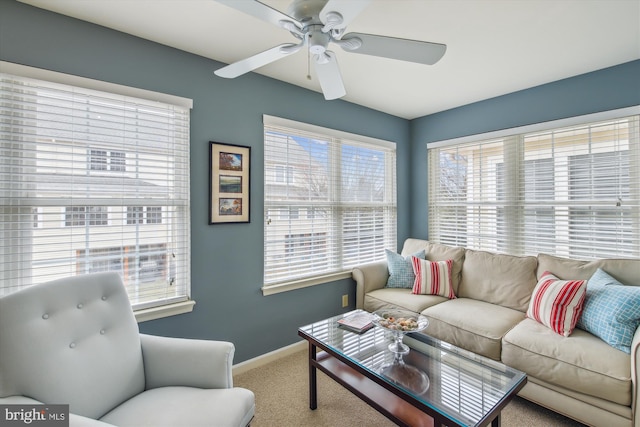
x=72 y=345
x=102 y=331
x=45 y=316
x=80 y=306
x=104 y=298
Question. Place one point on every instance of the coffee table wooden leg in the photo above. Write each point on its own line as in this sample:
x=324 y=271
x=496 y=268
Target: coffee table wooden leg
x=313 y=390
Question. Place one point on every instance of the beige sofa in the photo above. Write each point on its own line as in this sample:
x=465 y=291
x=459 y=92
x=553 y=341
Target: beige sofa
x=579 y=376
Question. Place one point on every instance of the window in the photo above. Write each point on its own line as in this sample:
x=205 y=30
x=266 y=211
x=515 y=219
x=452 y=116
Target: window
x=97 y=160
x=101 y=160
x=117 y=161
x=135 y=215
x=154 y=214
x=62 y=156
x=78 y=216
x=330 y=203
x=36 y=217
x=142 y=215
x=569 y=191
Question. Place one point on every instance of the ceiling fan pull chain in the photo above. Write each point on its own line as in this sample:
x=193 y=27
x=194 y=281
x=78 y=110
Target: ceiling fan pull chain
x=308 y=64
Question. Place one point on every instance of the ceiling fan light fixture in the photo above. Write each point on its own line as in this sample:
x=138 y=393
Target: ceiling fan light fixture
x=318 y=42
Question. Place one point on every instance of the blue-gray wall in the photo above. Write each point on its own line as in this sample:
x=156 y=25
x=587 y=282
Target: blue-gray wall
x=607 y=89
x=227 y=259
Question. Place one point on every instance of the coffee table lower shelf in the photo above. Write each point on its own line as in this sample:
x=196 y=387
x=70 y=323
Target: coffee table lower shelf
x=393 y=407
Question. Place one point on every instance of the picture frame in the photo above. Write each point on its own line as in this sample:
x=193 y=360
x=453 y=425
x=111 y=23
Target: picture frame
x=229 y=179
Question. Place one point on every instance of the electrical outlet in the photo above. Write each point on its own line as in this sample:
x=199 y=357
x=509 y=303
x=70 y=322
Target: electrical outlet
x=345 y=300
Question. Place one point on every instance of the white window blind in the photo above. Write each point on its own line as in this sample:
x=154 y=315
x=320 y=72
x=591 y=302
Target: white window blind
x=570 y=191
x=329 y=199
x=92 y=181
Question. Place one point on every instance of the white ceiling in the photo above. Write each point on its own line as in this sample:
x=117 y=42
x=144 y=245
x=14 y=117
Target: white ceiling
x=494 y=47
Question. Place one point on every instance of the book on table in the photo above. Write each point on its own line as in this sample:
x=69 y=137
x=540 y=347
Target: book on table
x=358 y=322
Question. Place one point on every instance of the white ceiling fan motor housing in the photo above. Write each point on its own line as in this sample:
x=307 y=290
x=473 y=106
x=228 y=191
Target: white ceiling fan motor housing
x=318 y=40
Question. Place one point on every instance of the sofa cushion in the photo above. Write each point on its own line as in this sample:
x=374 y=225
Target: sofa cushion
x=474 y=325
x=611 y=310
x=438 y=252
x=396 y=297
x=557 y=303
x=626 y=271
x=432 y=277
x=580 y=362
x=401 y=273
x=498 y=279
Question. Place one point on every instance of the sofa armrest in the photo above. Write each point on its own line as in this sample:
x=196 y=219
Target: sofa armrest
x=368 y=278
x=635 y=378
x=186 y=362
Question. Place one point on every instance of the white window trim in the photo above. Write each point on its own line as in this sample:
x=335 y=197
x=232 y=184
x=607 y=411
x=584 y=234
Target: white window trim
x=304 y=283
x=537 y=127
x=143 y=314
x=166 y=310
x=69 y=79
x=279 y=121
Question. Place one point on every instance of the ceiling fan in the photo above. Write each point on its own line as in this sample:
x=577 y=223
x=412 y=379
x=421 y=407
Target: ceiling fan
x=316 y=24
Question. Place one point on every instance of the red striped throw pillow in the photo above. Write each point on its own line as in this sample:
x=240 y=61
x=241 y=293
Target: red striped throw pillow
x=557 y=303
x=432 y=277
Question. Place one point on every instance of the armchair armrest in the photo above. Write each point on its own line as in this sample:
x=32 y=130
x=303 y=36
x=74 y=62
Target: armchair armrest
x=369 y=277
x=635 y=378
x=18 y=400
x=186 y=362
x=80 y=421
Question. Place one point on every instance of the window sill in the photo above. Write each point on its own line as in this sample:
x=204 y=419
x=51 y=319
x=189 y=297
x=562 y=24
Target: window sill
x=164 y=311
x=304 y=283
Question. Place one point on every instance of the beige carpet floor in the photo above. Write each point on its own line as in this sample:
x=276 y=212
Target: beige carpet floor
x=282 y=400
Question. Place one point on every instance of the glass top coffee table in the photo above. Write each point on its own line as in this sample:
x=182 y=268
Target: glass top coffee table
x=435 y=383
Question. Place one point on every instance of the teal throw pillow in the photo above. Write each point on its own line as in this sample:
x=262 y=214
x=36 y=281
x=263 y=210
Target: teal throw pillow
x=400 y=269
x=611 y=310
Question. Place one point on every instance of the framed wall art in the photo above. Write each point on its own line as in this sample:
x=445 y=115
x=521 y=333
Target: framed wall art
x=229 y=183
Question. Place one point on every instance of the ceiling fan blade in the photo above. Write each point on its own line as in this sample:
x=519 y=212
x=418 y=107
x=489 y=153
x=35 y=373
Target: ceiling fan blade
x=260 y=11
x=329 y=76
x=348 y=9
x=256 y=61
x=394 y=48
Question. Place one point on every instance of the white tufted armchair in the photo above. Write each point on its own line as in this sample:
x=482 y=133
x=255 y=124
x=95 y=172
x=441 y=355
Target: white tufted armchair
x=75 y=341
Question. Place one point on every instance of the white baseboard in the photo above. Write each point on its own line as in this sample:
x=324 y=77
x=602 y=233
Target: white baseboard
x=263 y=359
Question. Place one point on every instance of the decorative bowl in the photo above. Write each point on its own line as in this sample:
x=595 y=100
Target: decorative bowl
x=399 y=322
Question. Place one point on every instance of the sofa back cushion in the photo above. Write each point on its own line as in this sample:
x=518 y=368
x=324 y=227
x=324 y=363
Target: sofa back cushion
x=626 y=271
x=504 y=280
x=438 y=252
x=72 y=341
x=400 y=268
